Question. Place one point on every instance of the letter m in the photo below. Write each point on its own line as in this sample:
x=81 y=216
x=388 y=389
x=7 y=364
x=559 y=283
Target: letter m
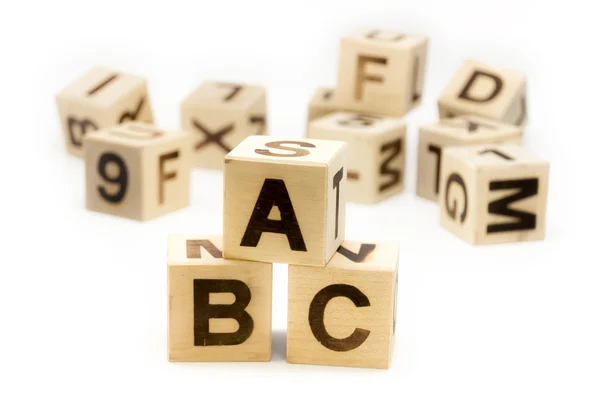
x=523 y=220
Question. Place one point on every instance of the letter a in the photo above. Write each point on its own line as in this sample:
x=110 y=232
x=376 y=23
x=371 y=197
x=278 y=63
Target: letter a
x=274 y=193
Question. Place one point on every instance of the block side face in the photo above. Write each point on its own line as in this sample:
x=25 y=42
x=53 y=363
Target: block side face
x=373 y=77
x=79 y=119
x=215 y=132
x=382 y=74
x=131 y=105
x=188 y=339
x=514 y=204
x=361 y=169
x=391 y=162
x=481 y=89
x=114 y=179
x=257 y=195
x=314 y=312
x=458 y=197
x=300 y=152
x=166 y=176
x=429 y=161
x=334 y=208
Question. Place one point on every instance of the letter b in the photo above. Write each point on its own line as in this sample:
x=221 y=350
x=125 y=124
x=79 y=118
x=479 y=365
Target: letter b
x=204 y=311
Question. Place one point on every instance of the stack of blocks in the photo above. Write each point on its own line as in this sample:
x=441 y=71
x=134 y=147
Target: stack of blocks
x=284 y=202
x=285 y=199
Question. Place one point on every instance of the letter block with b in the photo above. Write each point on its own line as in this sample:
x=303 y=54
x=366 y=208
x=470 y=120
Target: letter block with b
x=136 y=170
x=376 y=152
x=345 y=313
x=457 y=131
x=220 y=115
x=285 y=200
x=99 y=99
x=381 y=72
x=219 y=310
x=493 y=193
x=486 y=91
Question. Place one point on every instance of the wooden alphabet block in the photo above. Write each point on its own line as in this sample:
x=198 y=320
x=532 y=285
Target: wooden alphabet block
x=99 y=99
x=493 y=193
x=285 y=200
x=345 y=313
x=381 y=72
x=136 y=170
x=487 y=91
x=376 y=152
x=220 y=115
x=219 y=310
x=458 y=131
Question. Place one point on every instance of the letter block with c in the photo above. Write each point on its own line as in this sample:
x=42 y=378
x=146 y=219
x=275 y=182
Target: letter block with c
x=219 y=310
x=344 y=314
x=376 y=152
x=220 y=115
x=99 y=99
x=493 y=193
x=457 y=131
x=486 y=91
x=285 y=200
x=137 y=171
x=381 y=72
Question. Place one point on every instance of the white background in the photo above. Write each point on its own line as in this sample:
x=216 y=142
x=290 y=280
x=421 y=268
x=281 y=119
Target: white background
x=83 y=301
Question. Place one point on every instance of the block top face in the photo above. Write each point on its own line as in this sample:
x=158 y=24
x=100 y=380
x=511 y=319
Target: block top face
x=386 y=38
x=356 y=123
x=224 y=94
x=268 y=149
x=470 y=127
x=102 y=86
x=136 y=134
x=365 y=256
x=198 y=250
x=495 y=156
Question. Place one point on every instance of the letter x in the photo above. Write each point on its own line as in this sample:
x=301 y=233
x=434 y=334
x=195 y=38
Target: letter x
x=211 y=137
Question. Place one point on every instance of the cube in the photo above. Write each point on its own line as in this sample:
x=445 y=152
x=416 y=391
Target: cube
x=457 y=131
x=381 y=72
x=486 y=91
x=220 y=115
x=285 y=200
x=99 y=99
x=136 y=170
x=376 y=152
x=344 y=314
x=219 y=310
x=493 y=193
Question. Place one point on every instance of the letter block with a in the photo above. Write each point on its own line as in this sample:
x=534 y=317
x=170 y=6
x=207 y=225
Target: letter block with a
x=376 y=152
x=458 y=131
x=220 y=115
x=381 y=72
x=345 y=313
x=493 y=193
x=136 y=170
x=219 y=310
x=99 y=99
x=285 y=200
x=487 y=91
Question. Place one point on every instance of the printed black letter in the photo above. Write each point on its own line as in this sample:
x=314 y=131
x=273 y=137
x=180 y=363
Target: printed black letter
x=274 y=193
